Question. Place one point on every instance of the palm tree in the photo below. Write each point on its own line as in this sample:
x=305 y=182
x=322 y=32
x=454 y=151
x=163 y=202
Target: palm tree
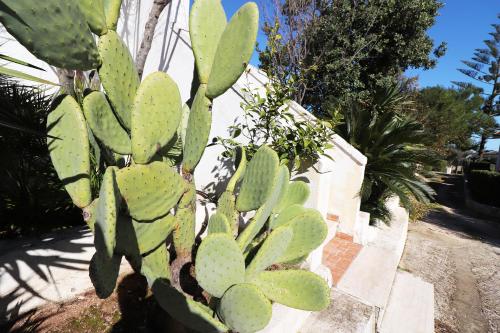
x=31 y=196
x=394 y=147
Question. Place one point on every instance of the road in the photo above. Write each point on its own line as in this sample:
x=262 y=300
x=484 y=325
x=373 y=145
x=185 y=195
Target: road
x=459 y=252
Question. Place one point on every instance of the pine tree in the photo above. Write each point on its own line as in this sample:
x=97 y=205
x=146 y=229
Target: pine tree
x=485 y=68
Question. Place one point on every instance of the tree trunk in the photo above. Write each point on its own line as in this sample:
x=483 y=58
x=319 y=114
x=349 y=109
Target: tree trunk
x=482 y=145
x=149 y=31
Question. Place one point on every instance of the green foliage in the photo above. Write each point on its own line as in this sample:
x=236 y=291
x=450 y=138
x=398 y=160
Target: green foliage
x=485 y=186
x=70 y=47
x=245 y=309
x=347 y=49
x=449 y=116
x=32 y=199
x=156 y=116
x=146 y=205
x=299 y=140
x=484 y=67
x=69 y=148
x=294 y=288
x=394 y=146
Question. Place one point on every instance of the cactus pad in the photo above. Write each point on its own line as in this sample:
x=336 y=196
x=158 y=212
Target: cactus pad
x=309 y=231
x=295 y=288
x=245 y=309
x=150 y=191
x=218 y=223
x=255 y=225
x=151 y=235
x=234 y=51
x=156 y=116
x=54 y=31
x=107 y=213
x=258 y=180
x=241 y=159
x=94 y=13
x=296 y=193
x=184 y=233
x=103 y=273
x=285 y=216
x=226 y=205
x=190 y=313
x=207 y=22
x=156 y=265
x=273 y=248
x=70 y=149
x=112 y=12
x=118 y=75
x=104 y=124
x=198 y=130
x=219 y=264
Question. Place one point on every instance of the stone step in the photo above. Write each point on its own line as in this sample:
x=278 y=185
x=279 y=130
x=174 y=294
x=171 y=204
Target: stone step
x=346 y=314
x=371 y=275
x=411 y=306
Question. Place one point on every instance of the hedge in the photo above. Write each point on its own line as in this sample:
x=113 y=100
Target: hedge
x=485 y=186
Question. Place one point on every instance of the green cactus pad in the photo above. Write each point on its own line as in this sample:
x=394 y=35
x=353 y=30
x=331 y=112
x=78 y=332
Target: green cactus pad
x=226 y=205
x=151 y=235
x=184 y=233
x=207 y=22
x=126 y=241
x=309 y=231
x=219 y=264
x=181 y=131
x=107 y=213
x=156 y=116
x=103 y=272
x=150 y=191
x=295 y=288
x=198 y=130
x=245 y=309
x=112 y=12
x=272 y=249
x=55 y=31
x=70 y=149
x=240 y=170
x=156 y=265
x=94 y=13
x=118 y=75
x=234 y=51
x=258 y=180
x=218 y=223
x=104 y=124
x=285 y=216
x=297 y=193
x=258 y=221
x=190 y=313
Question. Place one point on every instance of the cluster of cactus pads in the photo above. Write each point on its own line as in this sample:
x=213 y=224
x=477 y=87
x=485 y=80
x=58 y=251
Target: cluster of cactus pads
x=145 y=211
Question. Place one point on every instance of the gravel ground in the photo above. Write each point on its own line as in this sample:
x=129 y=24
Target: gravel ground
x=460 y=254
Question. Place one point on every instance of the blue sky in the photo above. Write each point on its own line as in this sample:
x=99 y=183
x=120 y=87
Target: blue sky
x=462 y=24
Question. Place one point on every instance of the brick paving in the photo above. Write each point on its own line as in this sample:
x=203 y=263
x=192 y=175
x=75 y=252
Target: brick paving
x=339 y=254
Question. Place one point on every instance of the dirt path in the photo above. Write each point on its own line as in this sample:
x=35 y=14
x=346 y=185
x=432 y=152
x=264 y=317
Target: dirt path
x=460 y=254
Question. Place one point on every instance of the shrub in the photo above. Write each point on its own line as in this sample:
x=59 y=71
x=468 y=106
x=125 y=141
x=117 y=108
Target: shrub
x=485 y=186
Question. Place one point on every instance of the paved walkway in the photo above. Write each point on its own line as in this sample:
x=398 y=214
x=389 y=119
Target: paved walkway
x=459 y=252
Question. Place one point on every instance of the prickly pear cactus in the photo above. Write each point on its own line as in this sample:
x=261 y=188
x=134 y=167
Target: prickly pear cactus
x=55 y=31
x=145 y=210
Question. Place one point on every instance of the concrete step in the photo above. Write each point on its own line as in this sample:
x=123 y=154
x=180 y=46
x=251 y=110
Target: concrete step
x=371 y=275
x=411 y=306
x=346 y=314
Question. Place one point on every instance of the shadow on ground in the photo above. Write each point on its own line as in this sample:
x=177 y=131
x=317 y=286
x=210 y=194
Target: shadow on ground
x=36 y=257
x=455 y=216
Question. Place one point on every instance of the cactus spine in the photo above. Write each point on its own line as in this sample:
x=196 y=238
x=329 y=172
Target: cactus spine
x=143 y=200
